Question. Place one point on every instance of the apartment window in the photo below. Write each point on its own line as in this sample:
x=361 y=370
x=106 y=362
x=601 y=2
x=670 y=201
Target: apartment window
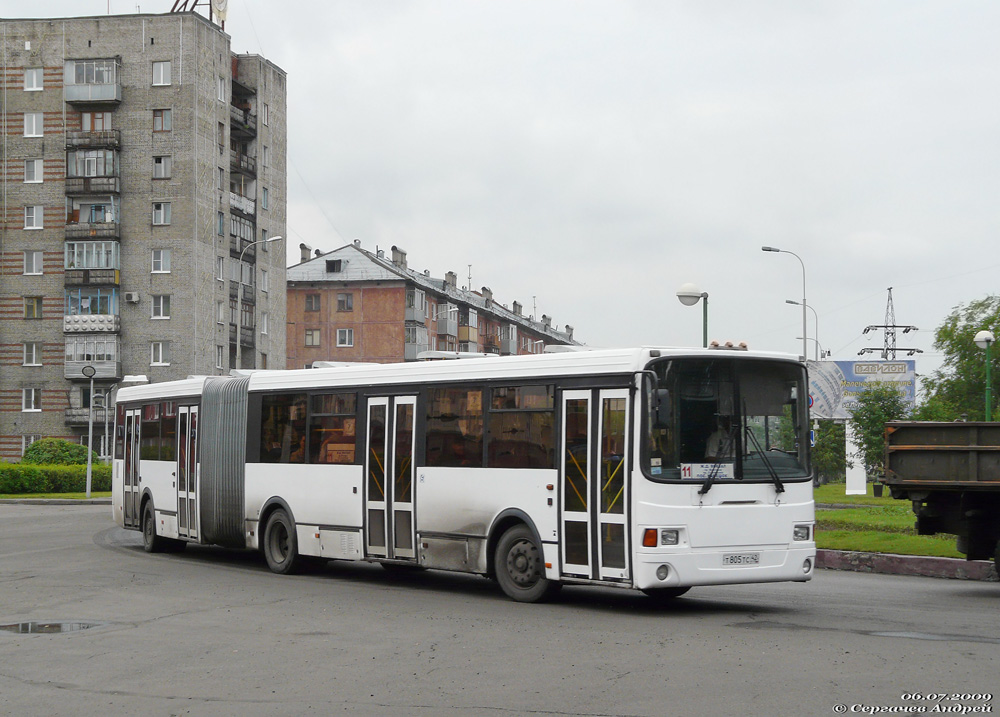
x=161 y=261
x=263 y=361
x=220 y=179
x=33 y=217
x=159 y=353
x=32 y=353
x=27 y=440
x=220 y=355
x=91 y=301
x=266 y=114
x=220 y=268
x=161 y=213
x=91 y=72
x=95 y=121
x=312 y=302
x=161 y=167
x=220 y=312
x=33 y=79
x=222 y=89
x=32 y=262
x=34 y=124
x=91 y=348
x=264 y=284
x=266 y=156
x=161 y=121
x=264 y=198
x=33 y=170
x=263 y=239
x=161 y=73
x=333 y=266
x=312 y=337
x=32 y=307
x=31 y=399
x=220 y=224
x=345 y=337
x=161 y=306
x=263 y=323
x=345 y=302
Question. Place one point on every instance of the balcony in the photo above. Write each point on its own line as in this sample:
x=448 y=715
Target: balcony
x=491 y=343
x=243 y=204
x=92 y=277
x=242 y=163
x=104 y=139
x=91 y=323
x=508 y=347
x=447 y=326
x=468 y=334
x=416 y=313
x=93 y=94
x=92 y=185
x=242 y=121
x=243 y=247
x=111 y=370
x=410 y=351
x=247 y=334
x=93 y=230
x=244 y=292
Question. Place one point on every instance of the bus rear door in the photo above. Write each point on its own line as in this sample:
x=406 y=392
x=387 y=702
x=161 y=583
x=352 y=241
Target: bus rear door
x=389 y=478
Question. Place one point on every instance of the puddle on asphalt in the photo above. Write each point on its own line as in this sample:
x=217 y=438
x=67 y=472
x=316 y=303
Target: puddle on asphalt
x=47 y=627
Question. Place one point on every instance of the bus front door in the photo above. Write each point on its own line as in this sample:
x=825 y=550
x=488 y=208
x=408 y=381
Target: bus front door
x=187 y=471
x=594 y=484
x=130 y=478
x=389 y=524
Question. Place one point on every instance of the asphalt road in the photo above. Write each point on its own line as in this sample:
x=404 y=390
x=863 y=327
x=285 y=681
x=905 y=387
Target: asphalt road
x=212 y=632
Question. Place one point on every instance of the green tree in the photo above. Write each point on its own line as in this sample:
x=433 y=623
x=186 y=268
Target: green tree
x=56 y=451
x=878 y=404
x=959 y=386
x=829 y=454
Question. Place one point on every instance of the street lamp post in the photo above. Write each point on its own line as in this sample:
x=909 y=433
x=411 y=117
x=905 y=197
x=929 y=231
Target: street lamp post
x=689 y=295
x=89 y=372
x=815 y=324
x=984 y=339
x=804 y=303
x=239 y=313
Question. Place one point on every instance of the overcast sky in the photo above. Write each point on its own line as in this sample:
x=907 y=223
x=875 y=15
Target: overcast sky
x=589 y=158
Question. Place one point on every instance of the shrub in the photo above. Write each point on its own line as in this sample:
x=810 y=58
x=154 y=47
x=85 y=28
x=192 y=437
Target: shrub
x=56 y=452
x=18 y=478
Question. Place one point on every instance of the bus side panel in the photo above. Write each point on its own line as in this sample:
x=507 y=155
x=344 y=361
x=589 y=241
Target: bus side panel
x=158 y=478
x=118 y=492
x=319 y=496
x=455 y=504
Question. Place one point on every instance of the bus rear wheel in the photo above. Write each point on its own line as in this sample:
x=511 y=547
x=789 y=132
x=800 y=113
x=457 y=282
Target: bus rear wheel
x=520 y=567
x=280 y=547
x=151 y=542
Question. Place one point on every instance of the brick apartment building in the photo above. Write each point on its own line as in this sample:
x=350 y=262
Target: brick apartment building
x=354 y=305
x=143 y=164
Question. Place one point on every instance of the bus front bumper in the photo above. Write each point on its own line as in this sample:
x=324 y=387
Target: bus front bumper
x=721 y=566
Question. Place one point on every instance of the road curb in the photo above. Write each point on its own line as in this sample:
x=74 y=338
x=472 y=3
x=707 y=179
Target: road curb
x=890 y=564
x=55 y=501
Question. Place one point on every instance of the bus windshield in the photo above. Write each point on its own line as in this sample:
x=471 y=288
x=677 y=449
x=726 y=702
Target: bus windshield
x=719 y=419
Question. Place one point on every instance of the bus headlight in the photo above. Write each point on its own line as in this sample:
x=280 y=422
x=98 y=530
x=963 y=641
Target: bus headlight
x=669 y=536
x=801 y=532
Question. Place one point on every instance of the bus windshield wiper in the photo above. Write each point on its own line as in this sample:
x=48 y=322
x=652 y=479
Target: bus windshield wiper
x=779 y=487
x=725 y=448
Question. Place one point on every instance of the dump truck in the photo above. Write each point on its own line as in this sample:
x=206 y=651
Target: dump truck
x=951 y=474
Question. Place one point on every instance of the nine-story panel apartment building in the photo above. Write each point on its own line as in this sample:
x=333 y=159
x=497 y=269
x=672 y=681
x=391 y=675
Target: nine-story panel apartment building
x=143 y=173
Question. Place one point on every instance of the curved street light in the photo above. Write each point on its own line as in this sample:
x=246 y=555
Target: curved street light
x=815 y=325
x=804 y=303
x=984 y=339
x=239 y=315
x=689 y=295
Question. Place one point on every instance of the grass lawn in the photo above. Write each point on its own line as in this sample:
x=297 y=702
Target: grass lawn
x=67 y=496
x=874 y=525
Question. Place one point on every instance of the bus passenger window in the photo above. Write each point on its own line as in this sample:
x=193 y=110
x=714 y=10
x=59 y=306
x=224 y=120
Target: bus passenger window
x=283 y=428
x=455 y=427
x=332 y=437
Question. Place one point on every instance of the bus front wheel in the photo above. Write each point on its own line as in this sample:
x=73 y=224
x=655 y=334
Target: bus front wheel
x=280 y=548
x=520 y=567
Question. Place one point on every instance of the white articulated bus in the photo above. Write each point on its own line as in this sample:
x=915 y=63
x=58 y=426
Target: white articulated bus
x=653 y=468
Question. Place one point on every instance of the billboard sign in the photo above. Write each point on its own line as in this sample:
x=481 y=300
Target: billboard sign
x=834 y=386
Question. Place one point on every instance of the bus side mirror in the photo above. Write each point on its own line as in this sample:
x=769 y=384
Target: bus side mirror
x=661 y=408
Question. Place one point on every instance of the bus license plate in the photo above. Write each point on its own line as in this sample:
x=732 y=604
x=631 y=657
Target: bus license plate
x=741 y=559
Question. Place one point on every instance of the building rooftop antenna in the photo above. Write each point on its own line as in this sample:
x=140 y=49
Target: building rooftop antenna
x=889 y=347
